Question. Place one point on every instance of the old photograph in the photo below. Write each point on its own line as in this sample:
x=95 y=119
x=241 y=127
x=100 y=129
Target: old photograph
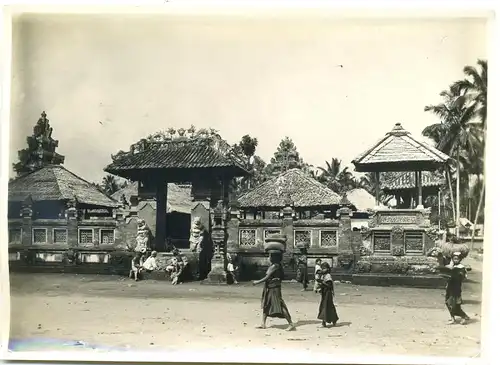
x=293 y=182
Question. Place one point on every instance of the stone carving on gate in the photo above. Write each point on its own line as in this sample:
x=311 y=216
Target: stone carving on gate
x=143 y=236
x=397 y=238
x=248 y=237
x=302 y=237
x=328 y=239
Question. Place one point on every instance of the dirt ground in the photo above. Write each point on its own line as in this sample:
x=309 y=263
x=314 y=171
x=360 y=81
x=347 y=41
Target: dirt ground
x=55 y=311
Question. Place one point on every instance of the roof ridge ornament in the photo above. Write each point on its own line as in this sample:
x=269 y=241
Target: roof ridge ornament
x=398 y=130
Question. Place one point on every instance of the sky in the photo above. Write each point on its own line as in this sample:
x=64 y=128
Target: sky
x=334 y=86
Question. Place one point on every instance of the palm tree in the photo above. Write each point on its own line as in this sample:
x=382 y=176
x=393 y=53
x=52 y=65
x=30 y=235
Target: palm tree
x=455 y=134
x=475 y=87
x=336 y=178
x=248 y=145
x=110 y=185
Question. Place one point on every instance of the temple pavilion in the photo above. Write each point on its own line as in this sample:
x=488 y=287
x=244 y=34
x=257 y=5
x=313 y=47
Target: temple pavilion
x=52 y=205
x=202 y=158
x=292 y=187
x=400 y=152
x=403 y=186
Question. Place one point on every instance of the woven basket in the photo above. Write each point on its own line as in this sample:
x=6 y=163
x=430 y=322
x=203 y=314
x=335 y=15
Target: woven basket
x=275 y=243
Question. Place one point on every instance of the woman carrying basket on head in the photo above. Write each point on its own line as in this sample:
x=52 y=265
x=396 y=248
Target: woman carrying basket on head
x=272 y=302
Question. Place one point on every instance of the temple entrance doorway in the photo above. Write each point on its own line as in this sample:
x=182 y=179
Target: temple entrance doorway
x=178 y=229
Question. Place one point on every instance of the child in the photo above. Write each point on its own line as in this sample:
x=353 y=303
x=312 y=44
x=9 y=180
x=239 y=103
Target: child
x=453 y=298
x=231 y=269
x=137 y=267
x=317 y=275
x=327 y=311
x=150 y=264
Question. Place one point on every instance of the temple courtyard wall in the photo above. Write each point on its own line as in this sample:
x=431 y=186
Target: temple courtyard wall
x=391 y=252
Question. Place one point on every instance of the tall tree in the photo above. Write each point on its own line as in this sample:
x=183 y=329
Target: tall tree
x=455 y=134
x=248 y=145
x=110 y=184
x=475 y=87
x=337 y=178
x=41 y=150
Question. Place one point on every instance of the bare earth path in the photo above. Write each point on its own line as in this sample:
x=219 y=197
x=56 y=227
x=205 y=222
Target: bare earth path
x=116 y=312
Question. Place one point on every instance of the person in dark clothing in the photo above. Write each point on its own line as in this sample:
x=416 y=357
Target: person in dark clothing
x=327 y=311
x=301 y=260
x=272 y=302
x=453 y=298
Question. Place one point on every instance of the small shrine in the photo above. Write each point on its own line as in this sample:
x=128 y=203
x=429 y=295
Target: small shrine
x=400 y=232
x=178 y=156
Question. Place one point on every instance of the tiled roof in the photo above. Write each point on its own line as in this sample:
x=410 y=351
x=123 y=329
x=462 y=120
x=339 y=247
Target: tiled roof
x=54 y=182
x=406 y=180
x=185 y=153
x=294 y=185
x=361 y=199
x=178 y=197
x=399 y=148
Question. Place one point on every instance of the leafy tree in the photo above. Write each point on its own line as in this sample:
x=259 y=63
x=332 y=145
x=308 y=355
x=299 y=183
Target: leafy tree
x=461 y=132
x=41 y=150
x=337 y=178
x=110 y=184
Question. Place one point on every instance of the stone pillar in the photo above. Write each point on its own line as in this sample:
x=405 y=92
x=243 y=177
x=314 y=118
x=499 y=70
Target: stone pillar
x=233 y=228
x=217 y=274
x=345 y=246
x=27 y=216
x=161 y=216
x=71 y=215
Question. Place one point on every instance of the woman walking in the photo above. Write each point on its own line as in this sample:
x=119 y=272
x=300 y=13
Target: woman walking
x=272 y=302
x=327 y=311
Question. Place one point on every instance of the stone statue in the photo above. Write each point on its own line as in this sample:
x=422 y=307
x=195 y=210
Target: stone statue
x=143 y=236
x=197 y=235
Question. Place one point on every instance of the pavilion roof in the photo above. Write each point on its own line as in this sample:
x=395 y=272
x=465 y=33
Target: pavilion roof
x=400 y=151
x=405 y=180
x=54 y=182
x=292 y=186
x=178 y=197
x=201 y=151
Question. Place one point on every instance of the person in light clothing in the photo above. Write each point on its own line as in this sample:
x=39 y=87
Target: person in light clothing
x=317 y=275
x=231 y=269
x=150 y=264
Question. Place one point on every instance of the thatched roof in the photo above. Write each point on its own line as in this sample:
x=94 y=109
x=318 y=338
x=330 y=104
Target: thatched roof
x=293 y=186
x=178 y=197
x=406 y=180
x=180 y=153
x=361 y=199
x=399 y=151
x=54 y=182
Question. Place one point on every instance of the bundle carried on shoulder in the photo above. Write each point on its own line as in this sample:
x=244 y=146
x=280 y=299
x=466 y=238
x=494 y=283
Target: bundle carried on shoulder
x=275 y=243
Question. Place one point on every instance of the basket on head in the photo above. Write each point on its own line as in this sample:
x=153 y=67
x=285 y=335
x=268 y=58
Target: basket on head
x=275 y=243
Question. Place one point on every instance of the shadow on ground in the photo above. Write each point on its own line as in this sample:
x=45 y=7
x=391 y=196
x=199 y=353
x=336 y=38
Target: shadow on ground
x=309 y=322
